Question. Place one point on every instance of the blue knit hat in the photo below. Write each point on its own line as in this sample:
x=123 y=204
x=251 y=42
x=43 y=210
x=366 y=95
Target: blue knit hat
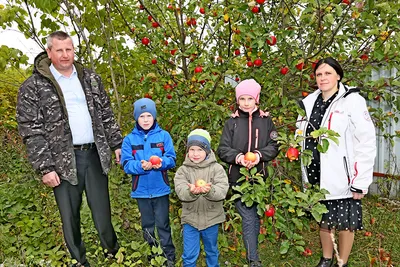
x=144 y=105
x=200 y=138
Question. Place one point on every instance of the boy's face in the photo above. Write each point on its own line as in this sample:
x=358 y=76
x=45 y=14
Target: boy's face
x=247 y=103
x=196 y=154
x=146 y=120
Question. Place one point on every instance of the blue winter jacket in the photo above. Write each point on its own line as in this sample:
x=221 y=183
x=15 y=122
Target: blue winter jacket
x=139 y=146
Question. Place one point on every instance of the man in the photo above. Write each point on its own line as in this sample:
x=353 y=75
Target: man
x=67 y=124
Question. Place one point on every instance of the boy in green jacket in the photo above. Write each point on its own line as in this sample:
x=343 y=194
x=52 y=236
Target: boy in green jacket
x=201 y=184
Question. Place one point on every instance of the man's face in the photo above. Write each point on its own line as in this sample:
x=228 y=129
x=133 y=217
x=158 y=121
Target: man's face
x=61 y=54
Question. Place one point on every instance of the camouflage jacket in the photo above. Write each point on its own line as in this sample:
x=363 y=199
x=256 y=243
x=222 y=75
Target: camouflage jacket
x=43 y=121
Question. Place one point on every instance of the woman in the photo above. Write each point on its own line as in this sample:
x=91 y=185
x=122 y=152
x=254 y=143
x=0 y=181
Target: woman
x=345 y=170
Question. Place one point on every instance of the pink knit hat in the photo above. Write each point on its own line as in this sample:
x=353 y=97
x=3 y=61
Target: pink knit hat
x=248 y=87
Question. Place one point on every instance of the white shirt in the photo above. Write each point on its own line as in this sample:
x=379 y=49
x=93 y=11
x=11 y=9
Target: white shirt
x=79 y=118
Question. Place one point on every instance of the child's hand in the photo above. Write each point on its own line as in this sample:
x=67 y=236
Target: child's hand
x=194 y=189
x=251 y=164
x=146 y=165
x=158 y=165
x=205 y=189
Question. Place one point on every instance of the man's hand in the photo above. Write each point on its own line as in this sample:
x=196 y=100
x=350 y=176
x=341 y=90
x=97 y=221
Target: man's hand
x=117 y=155
x=51 y=179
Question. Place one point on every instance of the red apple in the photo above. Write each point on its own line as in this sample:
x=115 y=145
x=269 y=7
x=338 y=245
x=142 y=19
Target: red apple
x=255 y=9
x=132 y=30
x=170 y=7
x=173 y=51
x=292 y=153
x=237 y=52
x=258 y=62
x=155 y=24
x=149 y=18
x=220 y=102
x=154 y=61
x=200 y=183
x=147 y=95
x=284 y=70
x=271 y=40
x=193 y=21
x=198 y=69
x=154 y=160
x=145 y=41
x=304 y=93
x=202 y=10
x=141 y=7
x=250 y=156
x=307 y=252
x=364 y=57
x=300 y=66
x=169 y=96
x=237 y=79
x=312 y=77
x=270 y=212
x=368 y=234
x=249 y=64
x=261 y=2
x=346 y=2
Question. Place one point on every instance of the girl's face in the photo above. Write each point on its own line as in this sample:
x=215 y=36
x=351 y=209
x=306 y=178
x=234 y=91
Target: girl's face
x=146 y=120
x=247 y=103
x=196 y=154
x=327 y=79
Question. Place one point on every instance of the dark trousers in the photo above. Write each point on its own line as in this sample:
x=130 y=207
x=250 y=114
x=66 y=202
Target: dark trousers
x=250 y=229
x=155 y=213
x=69 y=199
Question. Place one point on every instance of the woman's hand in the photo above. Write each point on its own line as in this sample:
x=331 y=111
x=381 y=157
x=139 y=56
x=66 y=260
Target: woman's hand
x=357 y=195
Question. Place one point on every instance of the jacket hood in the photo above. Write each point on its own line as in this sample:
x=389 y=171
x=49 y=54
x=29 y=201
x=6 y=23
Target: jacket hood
x=205 y=163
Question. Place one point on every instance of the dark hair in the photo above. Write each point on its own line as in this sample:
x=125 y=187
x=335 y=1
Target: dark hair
x=331 y=62
x=59 y=35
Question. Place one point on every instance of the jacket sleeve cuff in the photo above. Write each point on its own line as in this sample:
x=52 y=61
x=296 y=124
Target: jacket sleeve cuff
x=47 y=170
x=356 y=190
x=116 y=147
x=237 y=158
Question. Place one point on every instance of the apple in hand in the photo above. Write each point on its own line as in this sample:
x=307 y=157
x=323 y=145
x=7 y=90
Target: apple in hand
x=250 y=156
x=200 y=183
x=154 y=160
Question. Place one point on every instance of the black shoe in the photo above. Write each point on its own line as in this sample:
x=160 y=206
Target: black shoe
x=324 y=262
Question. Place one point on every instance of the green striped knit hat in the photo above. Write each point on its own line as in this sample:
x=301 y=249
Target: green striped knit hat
x=201 y=138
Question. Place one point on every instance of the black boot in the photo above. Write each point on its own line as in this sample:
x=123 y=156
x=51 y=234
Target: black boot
x=324 y=262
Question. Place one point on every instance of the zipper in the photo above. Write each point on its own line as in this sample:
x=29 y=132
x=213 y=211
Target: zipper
x=256 y=140
x=346 y=168
x=250 y=120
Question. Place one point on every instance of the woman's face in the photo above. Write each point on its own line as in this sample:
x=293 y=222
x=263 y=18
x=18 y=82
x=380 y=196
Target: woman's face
x=327 y=78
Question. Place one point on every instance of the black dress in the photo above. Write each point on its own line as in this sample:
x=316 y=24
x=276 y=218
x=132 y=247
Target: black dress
x=343 y=214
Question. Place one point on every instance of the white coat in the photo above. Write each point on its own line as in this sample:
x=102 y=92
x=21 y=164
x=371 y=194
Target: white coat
x=348 y=166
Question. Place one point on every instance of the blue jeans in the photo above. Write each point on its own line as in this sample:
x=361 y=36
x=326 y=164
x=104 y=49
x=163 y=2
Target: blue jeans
x=155 y=213
x=250 y=229
x=191 y=245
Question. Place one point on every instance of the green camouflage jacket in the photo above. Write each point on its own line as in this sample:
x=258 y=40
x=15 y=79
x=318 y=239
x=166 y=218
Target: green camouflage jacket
x=43 y=121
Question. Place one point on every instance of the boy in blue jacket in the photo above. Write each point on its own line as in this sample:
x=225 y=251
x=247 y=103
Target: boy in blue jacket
x=150 y=185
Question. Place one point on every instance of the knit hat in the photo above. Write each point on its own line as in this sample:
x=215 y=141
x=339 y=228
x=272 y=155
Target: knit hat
x=144 y=105
x=248 y=87
x=201 y=138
